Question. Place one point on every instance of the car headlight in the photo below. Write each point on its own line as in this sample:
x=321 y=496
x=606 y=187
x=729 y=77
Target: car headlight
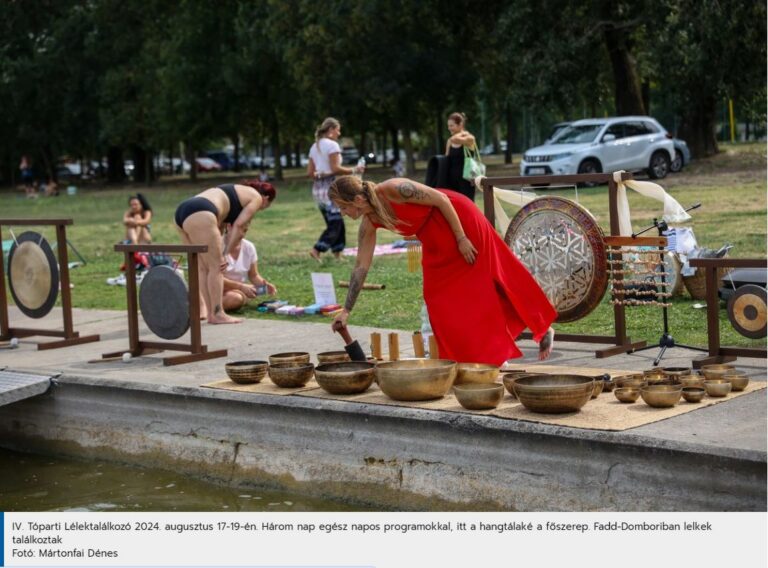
x=561 y=156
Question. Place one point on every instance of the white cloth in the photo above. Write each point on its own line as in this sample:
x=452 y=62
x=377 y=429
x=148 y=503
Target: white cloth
x=320 y=154
x=238 y=268
x=673 y=211
x=518 y=198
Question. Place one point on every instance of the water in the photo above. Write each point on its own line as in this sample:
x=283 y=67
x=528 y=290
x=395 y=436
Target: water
x=43 y=483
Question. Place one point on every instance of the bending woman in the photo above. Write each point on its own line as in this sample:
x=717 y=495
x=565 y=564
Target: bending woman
x=480 y=297
x=200 y=221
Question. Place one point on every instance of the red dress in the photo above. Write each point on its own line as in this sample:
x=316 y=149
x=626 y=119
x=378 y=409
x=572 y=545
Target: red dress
x=476 y=310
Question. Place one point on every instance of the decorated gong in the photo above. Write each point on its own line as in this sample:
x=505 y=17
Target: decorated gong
x=747 y=311
x=33 y=275
x=562 y=246
x=164 y=302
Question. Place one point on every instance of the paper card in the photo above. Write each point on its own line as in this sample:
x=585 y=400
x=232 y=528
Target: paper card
x=325 y=292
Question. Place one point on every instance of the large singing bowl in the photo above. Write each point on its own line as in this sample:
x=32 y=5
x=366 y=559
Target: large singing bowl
x=347 y=377
x=554 y=394
x=416 y=379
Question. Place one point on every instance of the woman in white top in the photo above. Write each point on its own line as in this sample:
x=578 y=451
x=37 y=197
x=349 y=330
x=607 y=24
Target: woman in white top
x=324 y=166
x=242 y=280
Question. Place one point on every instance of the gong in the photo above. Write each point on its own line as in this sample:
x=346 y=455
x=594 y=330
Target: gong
x=746 y=310
x=33 y=275
x=563 y=247
x=164 y=302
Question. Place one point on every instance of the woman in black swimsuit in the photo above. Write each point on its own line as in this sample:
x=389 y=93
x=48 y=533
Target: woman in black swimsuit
x=200 y=221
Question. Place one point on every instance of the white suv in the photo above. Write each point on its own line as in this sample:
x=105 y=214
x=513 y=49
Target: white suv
x=631 y=143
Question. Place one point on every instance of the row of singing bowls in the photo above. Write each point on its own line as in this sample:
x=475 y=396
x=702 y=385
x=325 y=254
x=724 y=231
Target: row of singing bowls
x=554 y=394
x=661 y=396
x=348 y=377
x=416 y=379
x=475 y=373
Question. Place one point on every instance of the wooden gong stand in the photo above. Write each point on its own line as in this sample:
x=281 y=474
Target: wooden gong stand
x=197 y=351
x=69 y=335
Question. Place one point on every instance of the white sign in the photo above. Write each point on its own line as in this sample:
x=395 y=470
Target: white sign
x=325 y=293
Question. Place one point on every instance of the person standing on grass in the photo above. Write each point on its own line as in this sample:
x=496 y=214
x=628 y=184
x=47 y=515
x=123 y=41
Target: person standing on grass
x=324 y=165
x=27 y=176
x=454 y=149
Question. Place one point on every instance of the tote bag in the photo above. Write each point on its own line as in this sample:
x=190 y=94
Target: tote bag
x=473 y=167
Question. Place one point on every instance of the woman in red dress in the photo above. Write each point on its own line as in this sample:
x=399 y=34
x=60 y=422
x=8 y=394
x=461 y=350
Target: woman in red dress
x=480 y=297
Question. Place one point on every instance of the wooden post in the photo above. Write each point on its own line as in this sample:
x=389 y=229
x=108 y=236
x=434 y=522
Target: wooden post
x=66 y=293
x=133 y=304
x=433 y=351
x=394 y=347
x=418 y=344
x=193 y=277
x=376 y=345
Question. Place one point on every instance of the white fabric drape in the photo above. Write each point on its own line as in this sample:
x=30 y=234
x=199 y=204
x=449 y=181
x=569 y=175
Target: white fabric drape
x=673 y=211
x=517 y=198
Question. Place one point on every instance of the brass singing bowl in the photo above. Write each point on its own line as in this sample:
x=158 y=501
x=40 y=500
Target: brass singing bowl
x=416 y=379
x=661 y=396
x=635 y=381
x=693 y=394
x=692 y=381
x=609 y=385
x=712 y=372
x=348 y=377
x=657 y=379
x=479 y=396
x=717 y=387
x=291 y=375
x=508 y=379
x=467 y=373
x=598 y=388
x=332 y=357
x=554 y=393
x=246 y=372
x=653 y=371
x=625 y=394
x=739 y=380
x=301 y=357
x=676 y=371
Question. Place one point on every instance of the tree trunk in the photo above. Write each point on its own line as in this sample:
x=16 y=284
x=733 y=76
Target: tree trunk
x=510 y=133
x=698 y=127
x=274 y=135
x=395 y=144
x=142 y=165
x=627 y=93
x=297 y=154
x=190 y=154
x=410 y=165
x=236 y=140
x=439 y=140
x=288 y=157
x=115 y=165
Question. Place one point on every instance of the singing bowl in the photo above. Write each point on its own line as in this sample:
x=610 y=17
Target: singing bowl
x=657 y=379
x=692 y=381
x=332 y=357
x=653 y=371
x=348 y=377
x=468 y=373
x=712 y=372
x=676 y=372
x=246 y=372
x=661 y=396
x=630 y=381
x=301 y=357
x=554 y=394
x=609 y=385
x=479 y=396
x=598 y=388
x=717 y=387
x=625 y=394
x=693 y=394
x=290 y=375
x=416 y=379
x=739 y=380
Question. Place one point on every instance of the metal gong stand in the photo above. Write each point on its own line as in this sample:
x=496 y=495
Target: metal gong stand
x=169 y=309
x=34 y=280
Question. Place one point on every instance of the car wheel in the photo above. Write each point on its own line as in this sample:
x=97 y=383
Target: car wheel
x=677 y=164
x=659 y=166
x=589 y=167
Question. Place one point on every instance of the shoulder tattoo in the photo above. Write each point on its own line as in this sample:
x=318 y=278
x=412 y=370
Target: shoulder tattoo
x=409 y=191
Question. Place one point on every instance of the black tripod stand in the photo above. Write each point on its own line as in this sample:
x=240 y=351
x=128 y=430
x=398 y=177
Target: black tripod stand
x=666 y=341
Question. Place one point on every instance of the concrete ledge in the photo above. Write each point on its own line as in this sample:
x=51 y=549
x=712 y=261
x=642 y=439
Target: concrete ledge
x=391 y=457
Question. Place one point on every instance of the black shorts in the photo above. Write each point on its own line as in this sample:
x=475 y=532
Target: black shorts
x=193 y=205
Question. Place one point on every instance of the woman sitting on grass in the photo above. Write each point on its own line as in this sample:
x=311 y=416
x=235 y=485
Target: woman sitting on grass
x=242 y=281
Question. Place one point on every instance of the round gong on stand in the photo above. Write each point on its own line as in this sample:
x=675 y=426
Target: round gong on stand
x=33 y=275
x=747 y=311
x=563 y=247
x=164 y=302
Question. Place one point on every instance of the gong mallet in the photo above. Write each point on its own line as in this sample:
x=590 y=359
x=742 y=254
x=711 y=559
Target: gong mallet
x=352 y=348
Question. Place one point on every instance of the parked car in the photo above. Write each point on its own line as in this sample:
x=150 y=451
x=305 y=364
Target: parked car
x=557 y=129
x=682 y=156
x=488 y=149
x=207 y=165
x=349 y=155
x=631 y=143
x=224 y=159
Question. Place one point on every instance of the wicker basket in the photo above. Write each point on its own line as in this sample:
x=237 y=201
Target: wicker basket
x=697 y=284
x=246 y=372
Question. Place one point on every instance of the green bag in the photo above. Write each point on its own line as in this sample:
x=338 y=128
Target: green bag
x=473 y=166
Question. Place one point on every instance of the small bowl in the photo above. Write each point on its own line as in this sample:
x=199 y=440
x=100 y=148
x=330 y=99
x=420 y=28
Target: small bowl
x=469 y=373
x=347 y=377
x=333 y=357
x=661 y=396
x=297 y=357
x=654 y=371
x=739 y=380
x=717 y=387
x=657 y=379
x=625 y=394
x=479 y=396
x=598 y=386
x=678 y=372
x=693 y=381
x=291 y=375
x=630 y=381
x=712 y=372
x=246 y=372
x=509 y=380
x=693 y=394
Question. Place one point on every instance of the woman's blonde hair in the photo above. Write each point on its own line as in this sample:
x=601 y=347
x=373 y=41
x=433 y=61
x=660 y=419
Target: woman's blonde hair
x=345 y=188
x=325 y=126
x=458 y=117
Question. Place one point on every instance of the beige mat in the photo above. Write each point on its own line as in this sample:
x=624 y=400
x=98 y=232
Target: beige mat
x=264 y=387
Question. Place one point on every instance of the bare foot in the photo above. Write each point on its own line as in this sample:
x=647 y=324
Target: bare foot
x=315 y=254
x=223 y=318
x=546 y=344
x=337 y=255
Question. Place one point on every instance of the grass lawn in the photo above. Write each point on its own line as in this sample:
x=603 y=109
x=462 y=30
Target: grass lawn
x=731 y=187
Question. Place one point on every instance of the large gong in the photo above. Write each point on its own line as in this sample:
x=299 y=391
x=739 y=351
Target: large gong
x=562 y=246
x=33 y=275
x=164 y=302
x=747 y=311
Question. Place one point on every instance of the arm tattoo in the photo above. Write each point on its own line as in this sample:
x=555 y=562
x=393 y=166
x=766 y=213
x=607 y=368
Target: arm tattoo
x=409 y=191
x=355 y=285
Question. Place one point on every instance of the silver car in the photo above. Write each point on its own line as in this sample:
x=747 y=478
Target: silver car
x=631 y=143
